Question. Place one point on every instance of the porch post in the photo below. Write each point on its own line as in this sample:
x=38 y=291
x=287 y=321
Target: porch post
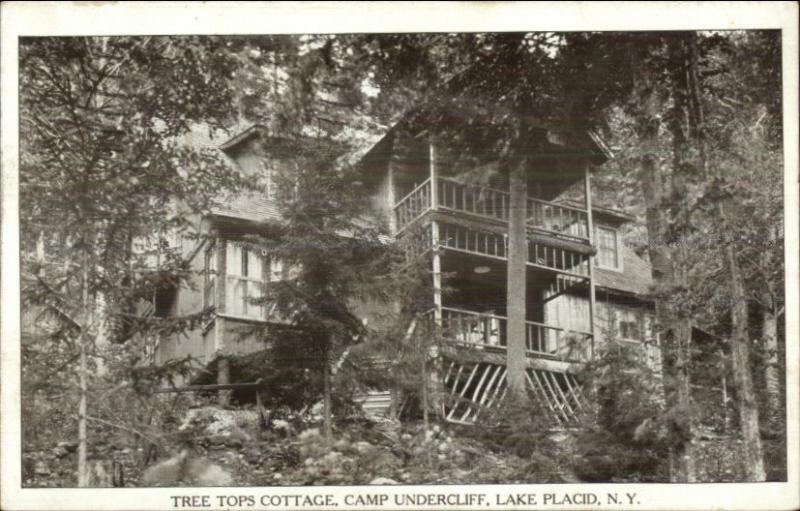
x=516 y=281
x=223 y=370
x=437 y=263
x=587 y=189
x=436 y=401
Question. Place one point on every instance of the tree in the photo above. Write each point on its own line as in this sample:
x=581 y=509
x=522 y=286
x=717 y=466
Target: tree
x=105 y=177
x=334 y=253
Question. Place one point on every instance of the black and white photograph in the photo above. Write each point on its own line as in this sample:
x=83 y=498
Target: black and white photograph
x=395 y=269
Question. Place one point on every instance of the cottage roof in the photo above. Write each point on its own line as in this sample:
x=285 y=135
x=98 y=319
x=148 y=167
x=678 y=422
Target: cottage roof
x=289 y=145
x=635 y=279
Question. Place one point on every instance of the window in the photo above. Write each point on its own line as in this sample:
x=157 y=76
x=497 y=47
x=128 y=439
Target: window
x=632 y=324
x=607 y=248
x=270 y=181
x=209 y=289
x=245 y=281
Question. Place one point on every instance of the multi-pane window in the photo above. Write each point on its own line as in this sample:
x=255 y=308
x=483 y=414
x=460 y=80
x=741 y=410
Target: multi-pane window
x=245 y=281
x=270 y=180
x=632 y=324
x=209 y=289
x=607 y=253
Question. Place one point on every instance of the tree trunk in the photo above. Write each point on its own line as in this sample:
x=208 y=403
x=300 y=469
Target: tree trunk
x=517 y=292
x=666 y=261
x=83 y=472
x=748 y=407
x=726 y=419
x=326 y=400
x=769 y=328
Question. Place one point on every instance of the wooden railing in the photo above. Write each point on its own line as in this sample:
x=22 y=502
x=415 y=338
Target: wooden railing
x=491 y=331
x=473 y=241
x=552 y=341
x=413 y=205
x=473 y=328
x=557 y=258
x=481 y=201
x=558 y=219
x=476 y=200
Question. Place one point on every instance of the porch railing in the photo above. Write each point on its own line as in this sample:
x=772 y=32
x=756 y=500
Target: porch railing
x=552 y=341
x=476 y=200
x=413 y=205
x=481 y=201
x=558 y=219
x=491 y=331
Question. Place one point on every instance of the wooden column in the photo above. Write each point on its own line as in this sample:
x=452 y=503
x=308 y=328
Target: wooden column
x=587 y=189
x=223 y=370
x=435 y=397
x=437 y=263
x=517 y=283
x=391 y=195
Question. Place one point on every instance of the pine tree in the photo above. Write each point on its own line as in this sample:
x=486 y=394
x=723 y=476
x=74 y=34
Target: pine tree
x=105 y=177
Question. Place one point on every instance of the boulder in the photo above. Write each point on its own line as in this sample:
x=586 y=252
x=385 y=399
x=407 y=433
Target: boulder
x=363 y=447
x=69 y=446
x=40 y=469
x=181 y=468
x=383 y=480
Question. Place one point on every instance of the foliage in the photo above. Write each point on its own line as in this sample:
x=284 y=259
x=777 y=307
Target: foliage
x=627 y=434
x=104 y=183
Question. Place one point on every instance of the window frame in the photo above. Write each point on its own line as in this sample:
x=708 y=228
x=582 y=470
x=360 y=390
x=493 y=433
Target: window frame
x=210 y=276
x=617 y=244
x=232 y=278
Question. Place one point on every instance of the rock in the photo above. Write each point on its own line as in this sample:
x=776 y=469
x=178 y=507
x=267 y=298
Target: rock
x=40 y=469
x=202 y=473
x=232 y=441
x=60 y=452
x=309 y=434
x=383 y=480
x=363 y=447
x=444 y=447
x=217 y=440
x=69 y=446
x=252 y=455
x=277 y=476
x=181 y=468
x=384 y=461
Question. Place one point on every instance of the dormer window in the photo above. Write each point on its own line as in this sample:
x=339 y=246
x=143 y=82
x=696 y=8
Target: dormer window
x=608 y=254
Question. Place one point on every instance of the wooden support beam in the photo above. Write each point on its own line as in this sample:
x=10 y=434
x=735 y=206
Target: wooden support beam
x=541 y=394
x=478 y=388
x=575 y=394
x=497 y=388
x=587 y=190
x=551 y=398
x=517 y=282
x=561 y=393
x=489 y=387
x=463 y=390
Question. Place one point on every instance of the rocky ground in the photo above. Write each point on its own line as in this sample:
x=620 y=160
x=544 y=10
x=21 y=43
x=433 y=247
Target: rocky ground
x=216 y=447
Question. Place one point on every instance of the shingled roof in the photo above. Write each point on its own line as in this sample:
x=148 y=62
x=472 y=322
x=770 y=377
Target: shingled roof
x=635 y=277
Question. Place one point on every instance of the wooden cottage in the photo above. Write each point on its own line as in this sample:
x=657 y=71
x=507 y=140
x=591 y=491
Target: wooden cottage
x=583 y=286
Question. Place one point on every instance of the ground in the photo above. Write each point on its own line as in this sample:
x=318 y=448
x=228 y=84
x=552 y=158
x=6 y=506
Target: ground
x=239 y=447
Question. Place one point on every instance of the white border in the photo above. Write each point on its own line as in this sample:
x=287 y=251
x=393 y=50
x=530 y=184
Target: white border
x=96 y=18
